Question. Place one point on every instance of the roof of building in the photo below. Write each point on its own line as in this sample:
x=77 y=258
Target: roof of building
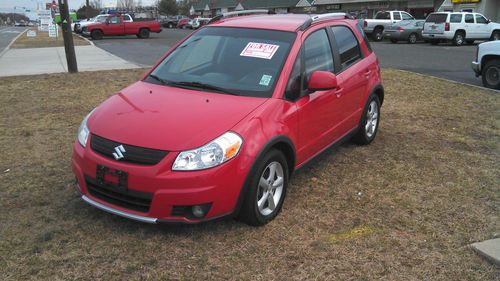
x=200 y=5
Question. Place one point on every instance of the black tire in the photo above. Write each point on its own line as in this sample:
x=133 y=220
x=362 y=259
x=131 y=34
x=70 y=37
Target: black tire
x=363 y=136
x=495 y=35
x=434 y=42
x=412 y=38
x=458 y=39
x=96 y=34
x=378 y=34
x=250 y=213
x=394 y=41
x=491 y=74
x=143 y=33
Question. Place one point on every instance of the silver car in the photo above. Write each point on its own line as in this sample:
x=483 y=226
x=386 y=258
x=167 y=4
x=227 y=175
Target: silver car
x=406 y=30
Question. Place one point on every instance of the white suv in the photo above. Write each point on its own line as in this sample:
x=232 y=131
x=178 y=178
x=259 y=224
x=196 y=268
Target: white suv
x=487 y=64
x=459 y=28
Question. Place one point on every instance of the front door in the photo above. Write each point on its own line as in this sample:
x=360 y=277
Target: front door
x=114 y=26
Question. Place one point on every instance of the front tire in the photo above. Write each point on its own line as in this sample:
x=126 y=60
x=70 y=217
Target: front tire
x=368 y=125
x=267 y=190
x=378 y=34
x=96 y=34
x=491 y=74
x=495 y=35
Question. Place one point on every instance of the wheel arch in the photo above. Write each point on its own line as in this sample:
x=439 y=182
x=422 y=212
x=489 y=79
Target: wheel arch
x=378 y=90
x=279 y=142
x=487 y=58
x=462 y=31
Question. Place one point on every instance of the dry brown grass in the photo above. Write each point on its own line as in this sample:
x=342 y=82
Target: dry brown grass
x=42 y=40
x=403 y=208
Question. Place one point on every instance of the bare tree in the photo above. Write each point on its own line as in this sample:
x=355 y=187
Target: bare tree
x=97 y=4
x=126 y=4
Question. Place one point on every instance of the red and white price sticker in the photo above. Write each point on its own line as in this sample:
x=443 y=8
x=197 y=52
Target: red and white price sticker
x=259 y=50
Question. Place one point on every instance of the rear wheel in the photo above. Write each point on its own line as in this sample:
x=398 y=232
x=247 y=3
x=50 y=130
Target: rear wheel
x=412 y=39
x=368 y=125
x=267 y=190
x=96 y=34
x=491 y=74
x=495 y=35
x=143 y=33
x=378 y=33
x=459 y=38
x=394 y=41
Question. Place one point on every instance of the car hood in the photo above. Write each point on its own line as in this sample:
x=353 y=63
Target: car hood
x=168 y=118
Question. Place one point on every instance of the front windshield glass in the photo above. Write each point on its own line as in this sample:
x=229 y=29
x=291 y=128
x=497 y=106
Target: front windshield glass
x=239 y=61
x=101 y=19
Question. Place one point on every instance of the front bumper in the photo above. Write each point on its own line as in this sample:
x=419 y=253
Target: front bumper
x=476 y=66
x=86 y=33
x=219 y=187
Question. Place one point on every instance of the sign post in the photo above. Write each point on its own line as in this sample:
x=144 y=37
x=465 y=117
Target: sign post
x=69 y=46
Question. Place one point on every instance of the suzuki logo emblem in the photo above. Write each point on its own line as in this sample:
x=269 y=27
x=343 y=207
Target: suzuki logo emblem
x=119 y=150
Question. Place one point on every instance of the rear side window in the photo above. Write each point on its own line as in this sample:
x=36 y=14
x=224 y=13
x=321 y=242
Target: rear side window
x=469 y=18
x=318 y=53
x=365 y=38
x=456 y=18
x=397 y=16
x=406 y=16
x=437 y=18
x=347 y=44
x=383 y=16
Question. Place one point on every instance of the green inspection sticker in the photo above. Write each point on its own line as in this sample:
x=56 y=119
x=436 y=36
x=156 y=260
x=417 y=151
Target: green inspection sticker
x=265 y=80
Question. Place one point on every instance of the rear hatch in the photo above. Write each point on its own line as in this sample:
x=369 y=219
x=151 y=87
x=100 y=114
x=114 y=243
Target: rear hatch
x=435 y=23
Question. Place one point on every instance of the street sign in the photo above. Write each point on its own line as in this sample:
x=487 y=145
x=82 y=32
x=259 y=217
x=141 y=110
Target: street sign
x=53 y=30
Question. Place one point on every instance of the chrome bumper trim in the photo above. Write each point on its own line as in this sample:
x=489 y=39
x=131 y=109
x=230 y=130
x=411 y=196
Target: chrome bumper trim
x=118 y=212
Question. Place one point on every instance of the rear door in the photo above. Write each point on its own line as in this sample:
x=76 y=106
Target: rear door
x=435 y=23
x=353 y=75
x=470 y=26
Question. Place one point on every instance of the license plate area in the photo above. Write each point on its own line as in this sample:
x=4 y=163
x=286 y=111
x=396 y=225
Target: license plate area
x=113 y=178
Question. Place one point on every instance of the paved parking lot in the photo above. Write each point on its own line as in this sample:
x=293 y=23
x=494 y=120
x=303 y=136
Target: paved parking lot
x=443 y=61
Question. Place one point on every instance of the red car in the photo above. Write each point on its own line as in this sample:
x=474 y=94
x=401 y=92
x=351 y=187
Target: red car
x=114 y=25
x=221 y=122
x=182 y=23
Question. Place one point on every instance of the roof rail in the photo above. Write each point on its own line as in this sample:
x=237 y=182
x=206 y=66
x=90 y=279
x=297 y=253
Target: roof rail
x=315 y=18
x=240 y=13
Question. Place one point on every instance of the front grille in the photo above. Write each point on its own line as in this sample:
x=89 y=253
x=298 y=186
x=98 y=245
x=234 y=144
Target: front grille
x=126 y=198
x=132 y=154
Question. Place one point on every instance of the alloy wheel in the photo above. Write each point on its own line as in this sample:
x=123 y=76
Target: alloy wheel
x=270 y=188
x=371 y=119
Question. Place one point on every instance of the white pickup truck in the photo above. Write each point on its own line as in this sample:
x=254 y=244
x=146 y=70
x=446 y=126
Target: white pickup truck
x=375 y=27
x=487 y=64
x=78 y=26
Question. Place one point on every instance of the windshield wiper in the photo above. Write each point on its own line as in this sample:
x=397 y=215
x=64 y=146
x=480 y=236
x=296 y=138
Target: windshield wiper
x=200 y=85
x=163 y=82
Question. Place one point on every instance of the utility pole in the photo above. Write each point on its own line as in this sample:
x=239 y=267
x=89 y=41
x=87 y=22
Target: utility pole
x=69 y=46
x=87 y=9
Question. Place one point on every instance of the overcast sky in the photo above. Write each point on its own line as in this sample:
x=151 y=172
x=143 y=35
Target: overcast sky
x=31 y=4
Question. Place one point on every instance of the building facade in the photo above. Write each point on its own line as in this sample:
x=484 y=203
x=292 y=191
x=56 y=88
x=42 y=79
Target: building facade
x=489 y=8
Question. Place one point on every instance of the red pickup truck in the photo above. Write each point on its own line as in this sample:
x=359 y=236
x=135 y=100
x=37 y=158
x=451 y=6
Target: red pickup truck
x=115 y=25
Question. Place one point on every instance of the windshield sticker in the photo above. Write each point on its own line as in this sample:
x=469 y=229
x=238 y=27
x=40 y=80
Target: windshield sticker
x=265 y=80
x=259 y=50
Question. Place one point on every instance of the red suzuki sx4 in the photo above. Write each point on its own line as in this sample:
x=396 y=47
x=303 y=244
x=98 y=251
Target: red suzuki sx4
x=220 y=123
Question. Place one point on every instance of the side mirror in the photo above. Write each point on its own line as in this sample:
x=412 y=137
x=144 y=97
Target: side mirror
x=322 y=80
x=488 y=21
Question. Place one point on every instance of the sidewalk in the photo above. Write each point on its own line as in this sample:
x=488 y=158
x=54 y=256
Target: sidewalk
x=53 y=60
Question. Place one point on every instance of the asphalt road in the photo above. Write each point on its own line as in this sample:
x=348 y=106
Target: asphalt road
x=7 y=34
x=443 y=60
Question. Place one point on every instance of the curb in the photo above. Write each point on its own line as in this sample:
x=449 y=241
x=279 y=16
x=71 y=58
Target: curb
x=447 y=80
x=12 y=42
x=84 y=38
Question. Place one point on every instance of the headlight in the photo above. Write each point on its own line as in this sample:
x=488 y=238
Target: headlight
x=83 y=130
x=210 y=155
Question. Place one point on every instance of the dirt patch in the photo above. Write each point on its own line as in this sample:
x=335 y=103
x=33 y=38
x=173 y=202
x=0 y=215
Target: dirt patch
x=42 y=40
x=405 y=207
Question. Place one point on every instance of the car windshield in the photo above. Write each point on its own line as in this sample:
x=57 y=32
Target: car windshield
x=239 y=61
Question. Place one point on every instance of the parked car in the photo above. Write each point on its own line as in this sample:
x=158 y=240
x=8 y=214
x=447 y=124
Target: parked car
x=78 y=26
x=487 y=64
x=459 y=28
x=405 y=30
x=375 y=27
x=116 y=25
x=183 y=23
x=197 y=23
x=219 y=125
x=172 y=22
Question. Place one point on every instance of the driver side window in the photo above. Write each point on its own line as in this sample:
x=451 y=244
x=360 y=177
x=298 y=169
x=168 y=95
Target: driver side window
x=114 y=20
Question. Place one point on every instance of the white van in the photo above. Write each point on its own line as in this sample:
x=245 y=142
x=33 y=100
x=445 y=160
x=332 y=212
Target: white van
x=459 y=28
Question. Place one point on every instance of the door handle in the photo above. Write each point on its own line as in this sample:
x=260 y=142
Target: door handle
x=338 y=92
x=367 y=73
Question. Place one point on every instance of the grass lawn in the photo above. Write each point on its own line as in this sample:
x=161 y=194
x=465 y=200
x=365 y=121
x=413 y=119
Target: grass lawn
x=405 y=207
x=42 y=40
